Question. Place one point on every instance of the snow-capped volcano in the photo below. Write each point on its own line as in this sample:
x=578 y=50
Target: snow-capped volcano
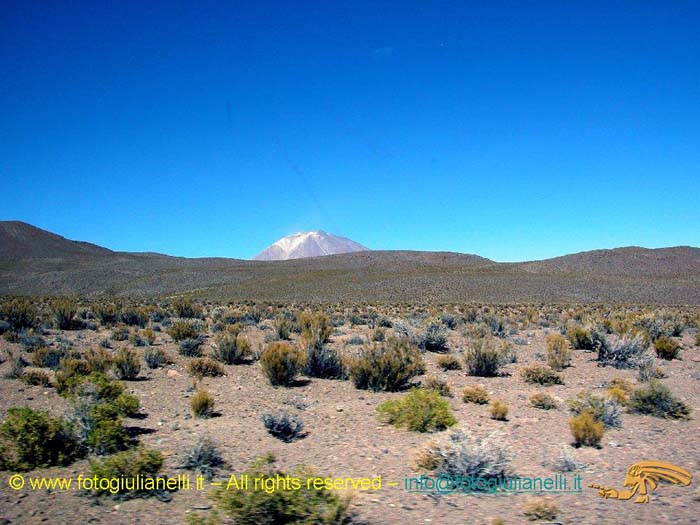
x=308 y=244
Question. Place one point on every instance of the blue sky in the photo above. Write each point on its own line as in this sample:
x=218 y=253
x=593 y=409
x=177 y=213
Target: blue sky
x=514 y=130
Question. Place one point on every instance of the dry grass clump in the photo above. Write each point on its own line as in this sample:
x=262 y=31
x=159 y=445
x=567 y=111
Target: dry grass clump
x=475 y=394
x=543 y=400
x=448 y=362
x=438 y=385
x=667 y=348
x=281 y=363
x=230 y=348
x=499 y=410
x=541 y=375
x=558 y=352
x=540 y=509
x=204 y=367
x=586 y=430
x=389 y=367
x=126 y=364
x=484 y=357
x=202 y=404
x=316 y=329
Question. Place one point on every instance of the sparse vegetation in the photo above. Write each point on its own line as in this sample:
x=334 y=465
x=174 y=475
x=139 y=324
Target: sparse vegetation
x=204 y=367
x=284 y=426
x=420 y=411
x=281 y=363
x=448 y=362
x=484 y=358
x=540 y=509
x=558 y=352
x=586 y=430
x=475 y=394
x=541 y=375
x=130 y=464
x=543 y=400
x=390 y=366
x=656 y=399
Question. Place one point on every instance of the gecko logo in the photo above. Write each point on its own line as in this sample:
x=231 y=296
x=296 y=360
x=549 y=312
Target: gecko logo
x=643 y=477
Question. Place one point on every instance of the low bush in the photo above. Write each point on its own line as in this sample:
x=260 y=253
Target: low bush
x=541 y=375
x=186 y=308
x=475 y=394
x=386 y=367
x=434 y=337
x=580 y=338
x=324 y=363
x=586 y=430
x=204 y=367
x=64 y=311
x=484 y=358
x=419 y=411
x=204 y=457
x=438 y=385
x=499 y=410
x=448 y=362
x=98 y=359
x=36 y=378
x=281 y=363
x=607 y=411
x=287 y=505
x=461 y=454
x=126 y=364
x=540 y=509
x=129 y=465
x=48 y=357
x=202 y=404
x=181 y=330
x=284 y=426
x=667 y=348
x=558 y=352
x=625 y=352
x=31 y=439
x=316 y=329
x=655 y=399
x=230 y=348
x=154 y=358
x=20 y=313
x=543 y=400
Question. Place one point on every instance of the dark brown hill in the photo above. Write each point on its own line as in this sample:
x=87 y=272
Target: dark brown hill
x=35 y=262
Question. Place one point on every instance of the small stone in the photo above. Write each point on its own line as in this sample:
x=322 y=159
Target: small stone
x=173 y=373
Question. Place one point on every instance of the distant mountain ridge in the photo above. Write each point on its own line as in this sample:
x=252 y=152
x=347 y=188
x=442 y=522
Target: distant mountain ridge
x=308 y=244
x=37 y=262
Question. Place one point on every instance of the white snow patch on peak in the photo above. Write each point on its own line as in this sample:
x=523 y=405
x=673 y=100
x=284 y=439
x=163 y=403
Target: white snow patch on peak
x=308 y=244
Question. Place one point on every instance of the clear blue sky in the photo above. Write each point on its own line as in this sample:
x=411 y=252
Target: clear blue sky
x=515 y=130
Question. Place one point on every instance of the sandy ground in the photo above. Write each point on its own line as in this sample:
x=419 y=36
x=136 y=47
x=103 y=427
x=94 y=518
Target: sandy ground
x=346 y=439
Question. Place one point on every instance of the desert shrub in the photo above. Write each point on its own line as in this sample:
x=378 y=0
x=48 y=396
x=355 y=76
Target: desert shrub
x=64 y=311
x=558 y=352
x=324 y=363
x=185 y=308
x=134 y=316
x=31 y=439
x=281 y=363
x=448 y=362
x=434 y=337
x=499 y=410
x=284 y=426
x=543 y=400
x=190 y=347
x=697 y=338
x=655 y=399
x=540 y=375
x=622 y=353
x=388 y=367
x=379 y=335
x=36 y=378
x=648 y=369
x=154 y=357
x=126 y=364
x=30 y=340
x=586 y=430
x=204 y=367
x=540 y=509
x=607 y=411
x=120 y=333
x=130 y=464
x=483 y=358
x=283 y=328
x=355 y=340
x=98 y=359
x=231 y=349
x=459 y=453
x=181 y=330
x=136 y=340
x=564 y=462
x=17 y=365
x=620 y=390
x=202 y=404
x=438 y=385
x=68 y=372
x=667 y=348
x=48 y=357
x=316 y=329
x=449 y=320
x=20 y=313
x=475 y=394
x=107 y=313
x=203 y=457
x=580 y=338
x=287 y=505
x=420 y=411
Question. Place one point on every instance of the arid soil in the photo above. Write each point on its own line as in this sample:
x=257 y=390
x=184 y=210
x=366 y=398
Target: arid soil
x=345 y=438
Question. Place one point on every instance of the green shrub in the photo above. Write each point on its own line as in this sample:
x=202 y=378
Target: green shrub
x=204 y=367
x=448 y=362
x=287 y=505
x=484 y=358
x=281 y=363
x=64 y=311
x=586 y=430
x=541 y=375
x=181 y=330
x=202 y=404
x=127 y=364
x=388 y=367
x=230 y=348
x=655 y=399
x=558 y=352
x=419 y=410
x=130 y=464
x=667 y=348
x=20 y=313
x=543 y=400
x=316 y=329
x=31 y=439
